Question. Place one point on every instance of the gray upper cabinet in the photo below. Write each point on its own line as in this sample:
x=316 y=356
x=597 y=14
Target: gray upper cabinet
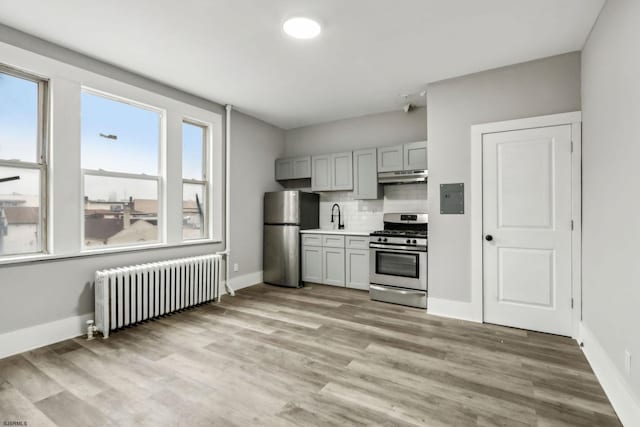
x=321 y=173
x=284 y=169
x=342 y=171
x=391 y=159
x=411 y=156
x=415 y=156
x=357 y=170
x=332 y=172
x=365 y=174
x=302 y=167
x=293 y=168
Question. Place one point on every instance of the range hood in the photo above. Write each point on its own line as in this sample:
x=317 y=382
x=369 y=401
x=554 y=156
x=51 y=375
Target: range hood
x=403 y=177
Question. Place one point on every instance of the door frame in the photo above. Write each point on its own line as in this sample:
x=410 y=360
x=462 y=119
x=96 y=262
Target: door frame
x=574 y=119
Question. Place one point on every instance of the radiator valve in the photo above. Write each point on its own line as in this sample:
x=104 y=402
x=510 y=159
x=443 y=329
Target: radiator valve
x=91 y=330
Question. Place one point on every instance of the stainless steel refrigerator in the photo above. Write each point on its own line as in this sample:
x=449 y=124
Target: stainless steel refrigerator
x=285 y=214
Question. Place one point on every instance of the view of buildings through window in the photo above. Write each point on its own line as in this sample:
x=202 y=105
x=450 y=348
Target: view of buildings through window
x=120 y=161
x=194 y=184
x=120 y=146
x=21 y=166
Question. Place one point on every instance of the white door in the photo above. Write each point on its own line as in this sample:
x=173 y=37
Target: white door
x=527 y=229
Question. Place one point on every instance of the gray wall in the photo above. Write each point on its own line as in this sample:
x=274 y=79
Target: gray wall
x=40 y=292
x=43 y=292
x=37 y=45
x=394 y=127
x=255 y=147
x=611 y=154
x=546 y=86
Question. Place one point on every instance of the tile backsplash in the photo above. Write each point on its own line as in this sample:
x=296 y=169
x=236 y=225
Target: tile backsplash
x=367 y=214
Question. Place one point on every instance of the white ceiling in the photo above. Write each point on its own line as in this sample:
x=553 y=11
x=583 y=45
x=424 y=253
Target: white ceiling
x=370 y=51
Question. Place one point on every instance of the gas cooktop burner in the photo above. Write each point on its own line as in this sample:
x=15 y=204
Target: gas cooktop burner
x=402 y=225
x=400 y=233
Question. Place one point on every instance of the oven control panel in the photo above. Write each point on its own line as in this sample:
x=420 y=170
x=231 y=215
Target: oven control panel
x=397 y=241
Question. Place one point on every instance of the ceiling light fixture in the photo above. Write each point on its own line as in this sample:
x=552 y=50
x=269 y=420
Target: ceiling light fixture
x=301 y=28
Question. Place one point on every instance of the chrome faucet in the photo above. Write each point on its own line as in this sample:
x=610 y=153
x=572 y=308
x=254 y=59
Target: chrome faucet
x=340 y=224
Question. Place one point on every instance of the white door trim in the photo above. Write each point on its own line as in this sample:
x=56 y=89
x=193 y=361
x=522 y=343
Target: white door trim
x=477 y=131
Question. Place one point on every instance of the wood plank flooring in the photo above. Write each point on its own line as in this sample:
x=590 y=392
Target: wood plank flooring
x=318 y=356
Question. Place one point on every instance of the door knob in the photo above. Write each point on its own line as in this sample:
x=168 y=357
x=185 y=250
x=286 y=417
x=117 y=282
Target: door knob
x=488 y=237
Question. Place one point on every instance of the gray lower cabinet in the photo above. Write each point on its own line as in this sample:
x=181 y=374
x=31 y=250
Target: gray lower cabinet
x=365 y=174
x=357 y=268
x=336 y=259
x=333 y=266
x=312 y=264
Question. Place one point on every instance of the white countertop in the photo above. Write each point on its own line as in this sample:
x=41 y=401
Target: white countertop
x=345 y=232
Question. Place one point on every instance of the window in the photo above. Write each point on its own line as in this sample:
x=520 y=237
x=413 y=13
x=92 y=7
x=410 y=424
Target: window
x=23 y=166
x=194 y=181
x=90 y=164
x=121 y=163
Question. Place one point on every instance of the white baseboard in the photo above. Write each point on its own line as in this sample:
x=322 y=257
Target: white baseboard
x=15 y=342
x=616 y=387
x=452 y=309
x=244 y=281
x=26 y=339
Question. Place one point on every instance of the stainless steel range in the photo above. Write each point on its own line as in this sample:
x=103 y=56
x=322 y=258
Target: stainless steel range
x=398 y=267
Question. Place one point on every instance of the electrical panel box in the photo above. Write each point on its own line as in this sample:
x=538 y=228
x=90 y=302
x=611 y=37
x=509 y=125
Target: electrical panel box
x=452 y=198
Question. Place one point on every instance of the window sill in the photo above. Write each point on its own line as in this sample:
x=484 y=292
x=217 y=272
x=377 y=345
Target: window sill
x=35 y=258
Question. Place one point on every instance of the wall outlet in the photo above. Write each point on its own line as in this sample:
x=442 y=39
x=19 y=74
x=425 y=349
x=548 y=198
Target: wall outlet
x=236 y=267
x=627 y=362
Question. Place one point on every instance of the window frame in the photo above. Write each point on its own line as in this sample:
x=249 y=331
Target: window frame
x=42 y=152
x=206 y=178
x=160 y=178
x=62 y=225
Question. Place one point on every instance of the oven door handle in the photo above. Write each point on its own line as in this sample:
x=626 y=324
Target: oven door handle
x=398 y=248
x=397 y=291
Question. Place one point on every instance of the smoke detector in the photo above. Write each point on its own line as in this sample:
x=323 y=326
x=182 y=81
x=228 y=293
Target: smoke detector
x=411 y=101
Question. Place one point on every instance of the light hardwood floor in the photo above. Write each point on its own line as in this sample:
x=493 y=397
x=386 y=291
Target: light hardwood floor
x=318 y=356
